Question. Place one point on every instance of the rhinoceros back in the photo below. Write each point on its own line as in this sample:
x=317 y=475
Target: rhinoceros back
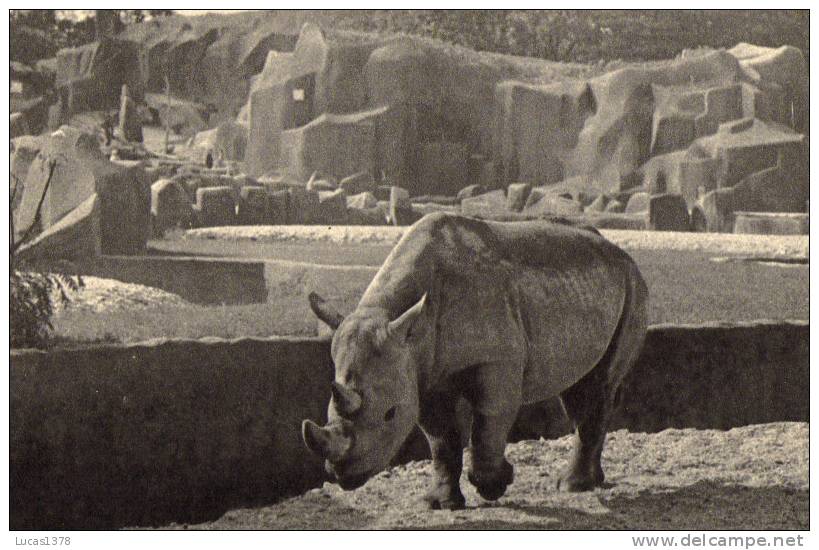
x=544 y=297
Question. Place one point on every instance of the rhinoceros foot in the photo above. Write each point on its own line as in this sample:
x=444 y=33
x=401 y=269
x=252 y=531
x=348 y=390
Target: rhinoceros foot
x=492 y=484
x=444 y=497
x=574 y=483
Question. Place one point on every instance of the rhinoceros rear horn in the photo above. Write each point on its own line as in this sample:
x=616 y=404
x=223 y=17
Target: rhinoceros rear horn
x=322 y=442
x=323 y=311
x=347 y=401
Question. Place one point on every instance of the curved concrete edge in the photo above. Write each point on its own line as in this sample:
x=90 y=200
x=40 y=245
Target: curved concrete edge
x=719 y=243
x=154 y=342
x=327 y=338
x=729 y=325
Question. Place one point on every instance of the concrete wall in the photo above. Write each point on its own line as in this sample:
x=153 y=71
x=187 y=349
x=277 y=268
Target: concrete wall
x=180 y=431
x=156 y=432
x=197 y=280
x=202 y=280
x=719 y=376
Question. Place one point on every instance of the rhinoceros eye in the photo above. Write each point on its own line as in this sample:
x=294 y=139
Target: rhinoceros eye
x=389 y=415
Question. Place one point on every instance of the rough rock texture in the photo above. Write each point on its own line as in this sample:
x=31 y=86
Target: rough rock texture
x=455 y=115
x=90 y=77
x=440 y=98
x=358 y=183
x=81 y=171
x=215 y=206
x=442 y=167
x=335 y=145
x=252 y=207
x=432 y=117
x=23 y=152
x=230 y=141
x=18 y=126
x=130 y=123
x=320 y=184
x=374 y=215
x=755 y=477
x=516 y=195
x=34 y=110
x=771 y=223
x=486 y=205
x=400 y=207
x=278 y=207
x=303 y=206
x=212 y=59
x=638 y=202
x=470 y=191
x=667 y=212
x=598 y=205
x=614 y=206
x=28 y=44
x=551 y=205
x=333 y=206
x=184 y=118
x=170 y=206
x=362 y=200
x=74 y=237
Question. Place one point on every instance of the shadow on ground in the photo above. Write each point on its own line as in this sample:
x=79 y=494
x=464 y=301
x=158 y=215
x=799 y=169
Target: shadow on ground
x=707 y=505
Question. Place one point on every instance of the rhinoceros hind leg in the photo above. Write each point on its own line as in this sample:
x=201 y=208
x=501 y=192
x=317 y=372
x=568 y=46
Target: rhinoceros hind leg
x=588 y=405
x=439 y=423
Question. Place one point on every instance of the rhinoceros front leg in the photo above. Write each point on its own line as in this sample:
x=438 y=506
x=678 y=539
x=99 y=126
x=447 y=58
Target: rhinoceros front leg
x=491 y=473
x=439 y=423
x=495 y=396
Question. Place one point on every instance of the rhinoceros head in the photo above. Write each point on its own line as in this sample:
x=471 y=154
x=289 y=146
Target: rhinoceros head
x=374 y=403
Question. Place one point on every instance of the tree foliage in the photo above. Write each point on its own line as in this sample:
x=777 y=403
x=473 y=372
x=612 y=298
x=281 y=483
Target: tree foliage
x=593 y=35
x=61 y=31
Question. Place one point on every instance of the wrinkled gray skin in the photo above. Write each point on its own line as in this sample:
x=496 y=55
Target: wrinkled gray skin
x=501 y=314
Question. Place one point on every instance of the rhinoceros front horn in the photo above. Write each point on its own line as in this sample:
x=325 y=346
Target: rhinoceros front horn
x=347 y=401
x=323 y=442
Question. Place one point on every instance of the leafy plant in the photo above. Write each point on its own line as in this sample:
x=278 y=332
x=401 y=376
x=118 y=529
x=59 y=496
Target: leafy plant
x=31 y=304
x=32 y=292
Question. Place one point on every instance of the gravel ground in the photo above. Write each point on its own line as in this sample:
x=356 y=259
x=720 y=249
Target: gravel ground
x=100 y=295
x=794 y=246
x=754 y=477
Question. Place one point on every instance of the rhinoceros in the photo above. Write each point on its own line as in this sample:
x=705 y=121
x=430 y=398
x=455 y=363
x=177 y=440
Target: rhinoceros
x=502 y=314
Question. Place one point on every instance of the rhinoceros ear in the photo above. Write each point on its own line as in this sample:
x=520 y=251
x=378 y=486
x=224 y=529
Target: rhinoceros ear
x=404 y=326
x=323 y=311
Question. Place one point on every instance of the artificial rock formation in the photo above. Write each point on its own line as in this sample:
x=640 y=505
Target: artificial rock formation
x=130 y=124
x=91 y=77
x=123 y=192
x=434 y=118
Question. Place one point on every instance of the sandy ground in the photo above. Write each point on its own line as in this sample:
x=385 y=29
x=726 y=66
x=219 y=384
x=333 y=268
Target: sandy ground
x=100 y=295
x=754 y=477
x=794 y=246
